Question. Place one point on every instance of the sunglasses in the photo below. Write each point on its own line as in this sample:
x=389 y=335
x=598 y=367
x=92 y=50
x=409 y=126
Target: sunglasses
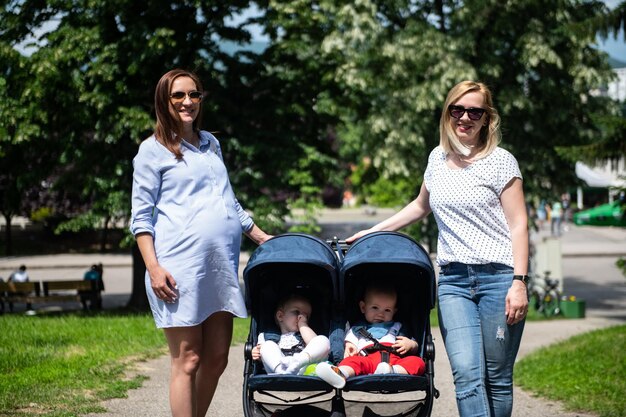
x=474 y=113
x=179 y=96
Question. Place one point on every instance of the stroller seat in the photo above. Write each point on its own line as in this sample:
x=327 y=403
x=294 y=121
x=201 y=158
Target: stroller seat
x=287 y=264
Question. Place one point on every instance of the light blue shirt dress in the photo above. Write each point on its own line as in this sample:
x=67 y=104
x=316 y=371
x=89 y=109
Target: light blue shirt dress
x=190 y=209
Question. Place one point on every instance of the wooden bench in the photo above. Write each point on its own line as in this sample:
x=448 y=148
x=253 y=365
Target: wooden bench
x=76 y=290
x=19 y=292
x=86 y=292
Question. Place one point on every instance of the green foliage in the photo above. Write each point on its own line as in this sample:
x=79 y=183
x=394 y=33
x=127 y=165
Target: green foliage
x=100 y=65
x=585 y=372
x=42 y=214
x=526 y=51
x=391 y=192
x=362 y=80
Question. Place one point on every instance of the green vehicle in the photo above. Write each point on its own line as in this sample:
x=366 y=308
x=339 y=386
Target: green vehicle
x=611 y=214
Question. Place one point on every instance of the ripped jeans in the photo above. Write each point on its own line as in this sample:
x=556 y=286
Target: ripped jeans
x=480 y=345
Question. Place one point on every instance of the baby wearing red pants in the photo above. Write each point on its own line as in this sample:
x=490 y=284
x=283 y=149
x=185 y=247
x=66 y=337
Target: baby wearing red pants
x=378 y=307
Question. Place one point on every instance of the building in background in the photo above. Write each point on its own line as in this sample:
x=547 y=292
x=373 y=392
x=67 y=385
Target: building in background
x=607 y=175
x=617 y=88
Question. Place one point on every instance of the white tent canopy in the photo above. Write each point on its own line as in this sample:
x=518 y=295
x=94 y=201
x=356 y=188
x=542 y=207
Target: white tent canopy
x=601 y=176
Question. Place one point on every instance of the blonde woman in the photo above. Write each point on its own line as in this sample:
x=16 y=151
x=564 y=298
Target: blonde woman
x=474 y=189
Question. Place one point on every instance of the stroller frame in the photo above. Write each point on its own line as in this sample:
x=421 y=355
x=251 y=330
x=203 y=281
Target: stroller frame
x=333 y=276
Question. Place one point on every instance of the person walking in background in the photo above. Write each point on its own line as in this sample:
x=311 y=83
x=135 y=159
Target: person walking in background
x=474 y=189
x=542 y=214
x=567 y=211
x=188 y=226
x=556 y=214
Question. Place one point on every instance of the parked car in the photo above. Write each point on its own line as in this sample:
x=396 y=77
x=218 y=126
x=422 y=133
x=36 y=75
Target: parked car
x=610 y=214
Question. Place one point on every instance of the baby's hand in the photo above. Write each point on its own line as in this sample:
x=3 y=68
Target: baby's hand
x=404 y=345
x=256 y=352
x=350 y=350
x=303 y=321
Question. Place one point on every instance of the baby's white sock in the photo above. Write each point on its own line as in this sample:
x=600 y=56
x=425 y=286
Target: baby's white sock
x=384 y=368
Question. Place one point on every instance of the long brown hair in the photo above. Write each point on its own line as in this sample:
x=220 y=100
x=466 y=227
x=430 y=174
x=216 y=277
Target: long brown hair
x=169 y=127
x=489 y=136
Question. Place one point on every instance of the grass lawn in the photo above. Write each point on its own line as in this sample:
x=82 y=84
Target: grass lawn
x=64 y=364
x=586 y=372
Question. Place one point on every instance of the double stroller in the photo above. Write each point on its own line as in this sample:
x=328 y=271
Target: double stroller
x=333 y=277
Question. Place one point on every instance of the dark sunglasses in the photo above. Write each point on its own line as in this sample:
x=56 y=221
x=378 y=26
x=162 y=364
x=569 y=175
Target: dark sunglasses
x=474 y=113
x=179 y=96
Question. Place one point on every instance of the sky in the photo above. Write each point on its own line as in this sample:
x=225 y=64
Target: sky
x=614 y=47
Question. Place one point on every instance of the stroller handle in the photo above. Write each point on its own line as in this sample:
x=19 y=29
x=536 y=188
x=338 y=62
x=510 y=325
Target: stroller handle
x=340 y=246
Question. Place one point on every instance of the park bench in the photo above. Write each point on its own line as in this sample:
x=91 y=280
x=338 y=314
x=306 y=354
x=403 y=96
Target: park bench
x=18 y=292
x=71 y=291
x=85 y=292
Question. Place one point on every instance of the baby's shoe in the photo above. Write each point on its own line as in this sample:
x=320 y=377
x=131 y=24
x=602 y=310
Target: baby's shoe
x=384 y=368
x=331 y=374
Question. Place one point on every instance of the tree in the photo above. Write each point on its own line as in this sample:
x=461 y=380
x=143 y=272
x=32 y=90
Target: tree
x=398 y=59
x=95 y=73
x=100 y=65
x=23 y=165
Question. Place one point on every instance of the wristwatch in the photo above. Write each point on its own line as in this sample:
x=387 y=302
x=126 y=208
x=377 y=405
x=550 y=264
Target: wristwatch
x=523 y=278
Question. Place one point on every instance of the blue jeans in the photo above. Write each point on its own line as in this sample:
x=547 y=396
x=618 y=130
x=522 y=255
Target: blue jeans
x=481 y=347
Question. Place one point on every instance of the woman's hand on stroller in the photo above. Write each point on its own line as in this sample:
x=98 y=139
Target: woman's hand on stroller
x=405 y=346
x=359 y=235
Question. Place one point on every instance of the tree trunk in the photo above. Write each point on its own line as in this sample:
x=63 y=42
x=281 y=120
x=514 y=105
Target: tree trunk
x=138 y=298
x=8 y=248
x=104 y=235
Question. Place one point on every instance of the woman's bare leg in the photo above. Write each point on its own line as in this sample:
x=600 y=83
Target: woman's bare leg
x=217 y=333
x=185 y=344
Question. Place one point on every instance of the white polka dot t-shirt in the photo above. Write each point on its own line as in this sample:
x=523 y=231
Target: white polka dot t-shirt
x=466 y=205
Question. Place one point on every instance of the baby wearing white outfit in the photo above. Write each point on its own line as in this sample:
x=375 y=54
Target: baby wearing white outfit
x=297 y=346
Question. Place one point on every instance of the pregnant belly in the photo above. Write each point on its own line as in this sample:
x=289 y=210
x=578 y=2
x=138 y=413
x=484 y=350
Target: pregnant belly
x=203 y=231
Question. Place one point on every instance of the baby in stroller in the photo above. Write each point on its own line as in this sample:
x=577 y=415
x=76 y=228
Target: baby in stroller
x=376 y=346
x=297 y=345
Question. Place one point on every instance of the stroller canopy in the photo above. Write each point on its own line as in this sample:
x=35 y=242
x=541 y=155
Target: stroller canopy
x=290 y=256
x=389 y=254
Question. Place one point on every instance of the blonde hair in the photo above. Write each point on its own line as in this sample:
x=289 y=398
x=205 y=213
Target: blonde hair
x=489 y=136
